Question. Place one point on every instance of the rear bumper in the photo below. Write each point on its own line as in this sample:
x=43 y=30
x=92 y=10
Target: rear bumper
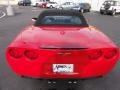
x=44 y=69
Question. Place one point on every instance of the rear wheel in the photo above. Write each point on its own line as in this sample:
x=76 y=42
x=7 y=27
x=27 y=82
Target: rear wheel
x=43 y=5
x=82 y=10
x=88 y=10
x=29 y=4
x=51 y=6
x=101 y=12
x=22 y=76
x=24 y=4
x=113 y=12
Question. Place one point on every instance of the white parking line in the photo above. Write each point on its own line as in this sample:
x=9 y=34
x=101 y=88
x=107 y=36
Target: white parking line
x=4 y=14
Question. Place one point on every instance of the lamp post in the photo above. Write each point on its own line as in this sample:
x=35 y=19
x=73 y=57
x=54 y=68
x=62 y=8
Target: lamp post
x=8 y=2
x=9 y=9
x=98 y=6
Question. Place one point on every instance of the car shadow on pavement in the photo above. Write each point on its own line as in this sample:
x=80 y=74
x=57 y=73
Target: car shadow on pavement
x=17 y=13
x=54 y=84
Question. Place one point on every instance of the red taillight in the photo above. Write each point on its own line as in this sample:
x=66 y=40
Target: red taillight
x=31 y=54
x=94 y=54
x=110 y=53
x=15 y=52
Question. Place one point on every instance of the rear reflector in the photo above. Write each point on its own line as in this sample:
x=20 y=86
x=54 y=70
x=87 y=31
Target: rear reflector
x=15 y=52
x=110 y=53
x=31 y=54
x=94 y=54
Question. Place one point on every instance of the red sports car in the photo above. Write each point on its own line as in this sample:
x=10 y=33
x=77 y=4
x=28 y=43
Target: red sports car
x=61 y=44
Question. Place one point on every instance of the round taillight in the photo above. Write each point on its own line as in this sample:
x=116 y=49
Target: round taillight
x=94 y=54
x=31 y=54
x=110 y=53
x=15 y=52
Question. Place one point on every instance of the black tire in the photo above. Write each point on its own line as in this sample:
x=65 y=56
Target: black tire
x=101 y=13
x=24 y=4
x=22 y=76
x=113 y=13
x=51 y=6
x=88 y=10
x=29 y=4
x=82 y=10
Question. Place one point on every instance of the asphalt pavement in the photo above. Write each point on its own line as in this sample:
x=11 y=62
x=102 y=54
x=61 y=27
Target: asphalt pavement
x=10 y=26
x=1 y=13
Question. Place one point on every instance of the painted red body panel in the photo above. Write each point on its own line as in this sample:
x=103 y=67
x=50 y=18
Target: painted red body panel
x=89 y=38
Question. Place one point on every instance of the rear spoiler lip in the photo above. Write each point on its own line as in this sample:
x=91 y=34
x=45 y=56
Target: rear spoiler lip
x=62 y=48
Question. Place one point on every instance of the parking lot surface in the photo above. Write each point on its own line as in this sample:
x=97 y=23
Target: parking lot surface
x=11 y=26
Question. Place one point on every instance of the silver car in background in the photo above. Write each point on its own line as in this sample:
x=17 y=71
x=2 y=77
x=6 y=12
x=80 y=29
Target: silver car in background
x=51 y=4
x=82 y=7
x=66 y=5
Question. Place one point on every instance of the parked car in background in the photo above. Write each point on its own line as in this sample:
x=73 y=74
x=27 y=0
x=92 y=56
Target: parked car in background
x=110 y=7
x=24 y=2
x=82 y=7
x=66 y=5
x=34 y=3
x=42 y=5
x=39 y=3
x=51 y=4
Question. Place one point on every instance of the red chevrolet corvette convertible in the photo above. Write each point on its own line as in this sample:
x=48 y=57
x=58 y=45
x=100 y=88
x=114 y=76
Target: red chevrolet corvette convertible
x=60 y=44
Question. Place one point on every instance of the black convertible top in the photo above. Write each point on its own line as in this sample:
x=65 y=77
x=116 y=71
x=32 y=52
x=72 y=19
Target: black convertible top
x=56 y=12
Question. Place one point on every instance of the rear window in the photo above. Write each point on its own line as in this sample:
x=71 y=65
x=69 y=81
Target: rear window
x=60 y=17
x=61 y=20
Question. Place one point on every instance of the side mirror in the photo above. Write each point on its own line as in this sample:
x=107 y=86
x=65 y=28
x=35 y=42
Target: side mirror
x=34 y=19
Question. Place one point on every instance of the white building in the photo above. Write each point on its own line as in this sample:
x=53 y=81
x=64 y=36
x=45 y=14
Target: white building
x=5 y=2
